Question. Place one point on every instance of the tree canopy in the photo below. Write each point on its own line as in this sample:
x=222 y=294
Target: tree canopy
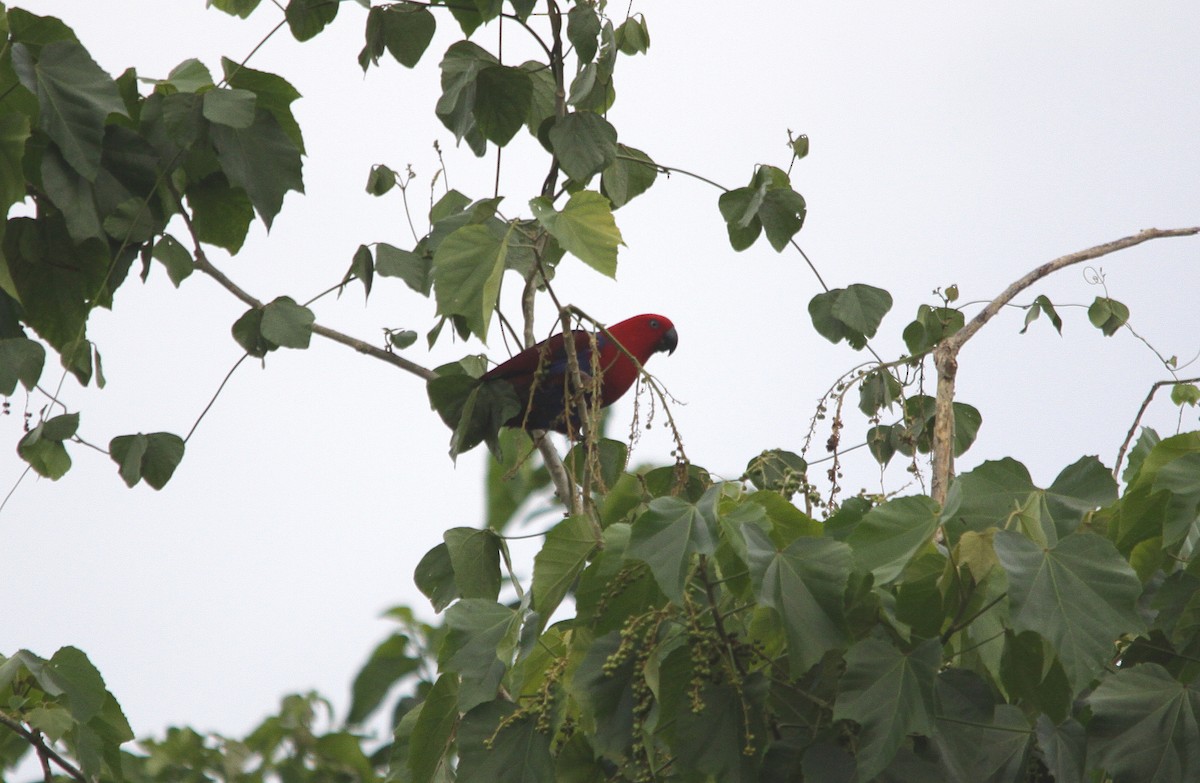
x=674 y=624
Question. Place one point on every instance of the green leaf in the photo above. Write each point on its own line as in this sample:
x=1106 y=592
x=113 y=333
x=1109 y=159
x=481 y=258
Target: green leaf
x=1079 y=595
x=714 y=740
x=1078 y=490
x=261 y=159
x=434 y=577
x=630 y=175
x=878 y=390
x=805 y=583
x=739 y=207
x=889 y=693
x=132 y=222
x=362 y=267
x=191 y=76
x=234 y=108
x=388 y=664
x=585 y=228
x=668 y=533
x=380 y=180
x=221 y=213
x=73 y=194
x=978 y=739
x=1039 y=306
x=583 y=28
x=247 y=331
x=42 y=446
x=782 y=214
x=933 y=324
x=14 y=132
x=75 y=96
x=559 y=562
x=1144 y=726
x=889 y=535
x=460 y=66
x=633 y=37
x=1064 y=748
x=286 y=323
x=21 y=361
x=598 y=465
x=543 y=101
x=405 y=31
x=777 y=470
x=1108 y=315
x=853 y=313
x=493 y=745
x=467 y=267
x=475 y=558
x=273 y=93
x=434 y=730
x=152 y=457
x=990 y=494
x=502 y=100
x=239 y=8
x=175 y=257
x=584 y=143
x=415 y=270
x=307 y=18
x=1185 y=394
x=479 y=645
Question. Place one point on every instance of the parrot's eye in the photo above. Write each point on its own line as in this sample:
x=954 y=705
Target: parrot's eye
x=654 y=324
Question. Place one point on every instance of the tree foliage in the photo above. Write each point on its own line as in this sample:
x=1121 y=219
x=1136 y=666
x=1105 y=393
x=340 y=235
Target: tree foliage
x=675 y=626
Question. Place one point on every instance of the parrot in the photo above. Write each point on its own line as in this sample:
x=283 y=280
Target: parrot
x=538 y=374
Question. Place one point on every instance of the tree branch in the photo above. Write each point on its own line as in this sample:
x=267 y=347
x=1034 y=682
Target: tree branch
x=945 y=356
x=1141 y=412
x=45 y=752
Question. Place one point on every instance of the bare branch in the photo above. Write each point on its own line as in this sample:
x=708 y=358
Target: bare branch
x=945 y=356
x=1142 y=412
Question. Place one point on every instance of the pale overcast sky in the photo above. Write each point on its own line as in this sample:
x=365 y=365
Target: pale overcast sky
x=951 y=143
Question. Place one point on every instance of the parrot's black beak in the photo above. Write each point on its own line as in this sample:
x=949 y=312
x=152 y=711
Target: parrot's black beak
x=668 y=341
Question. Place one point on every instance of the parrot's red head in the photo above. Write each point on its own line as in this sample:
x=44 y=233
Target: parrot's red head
x=643 y=336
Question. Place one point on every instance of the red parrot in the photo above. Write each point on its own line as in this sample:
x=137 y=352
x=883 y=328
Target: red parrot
x=538 y=374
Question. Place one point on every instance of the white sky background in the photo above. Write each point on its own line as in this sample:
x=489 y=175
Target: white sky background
x=951 y=143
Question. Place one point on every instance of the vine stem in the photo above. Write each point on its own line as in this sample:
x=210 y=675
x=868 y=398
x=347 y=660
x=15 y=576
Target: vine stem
x=945 y=356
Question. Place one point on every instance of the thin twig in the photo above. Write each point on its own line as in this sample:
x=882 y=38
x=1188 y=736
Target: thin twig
x=44 y=751
x=1137 y=420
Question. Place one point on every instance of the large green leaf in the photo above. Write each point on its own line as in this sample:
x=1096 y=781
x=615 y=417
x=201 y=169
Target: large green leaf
x=434 y=576
x=631 y=174
x=475 y=558
x=585 y=228
x=14 y=132
x=221 y=212
x=1163 y=498
x=805 y=583
x=307 y=18
x=75 y=97
x=480 y=644
x=502 y=100
x=981 y=741
x=43 y=449
x=152 y=457
x=989 y=495
x=415 y=270
x=559 y=562
x=404 y=30
x=21 y=361
x=668 y=533
x=467 y=268
x=584 y=143
x=1064 y=748
x=460 y=66
x=389 y=662
x=1078 y=490
x=889 y=535
x=1080 y=595
x=260 y=159
x=495 y=746
x=273 y=93
x=434 y=731
x=286 y=323
x=889 y=693
x=1144 y=726
x=852 y=313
